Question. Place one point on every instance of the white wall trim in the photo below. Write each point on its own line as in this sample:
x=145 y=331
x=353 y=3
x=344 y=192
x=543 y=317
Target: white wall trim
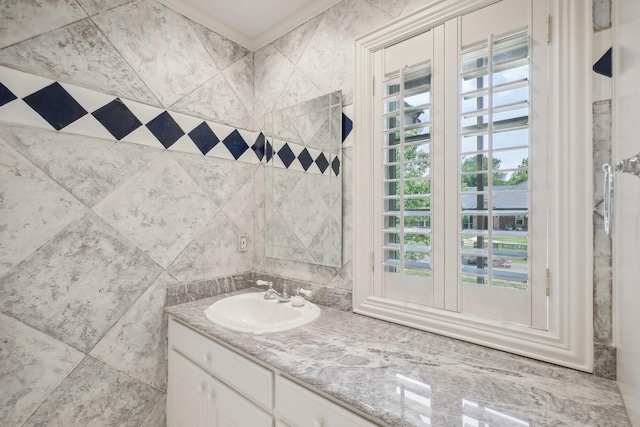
x=569 y=341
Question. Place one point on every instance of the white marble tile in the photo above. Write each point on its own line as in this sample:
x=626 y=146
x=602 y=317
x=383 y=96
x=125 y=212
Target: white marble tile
x=259 y=227
x=97 y=395
x=602 y=283
x=165 y=52
x=391 y=7
x=213 y=253
x=80 y=54
x=293 y=44
x=161 y=209
x=347 y=206
x=271 y=73
x=223 y=51
x=32 y=364
x=239 y=75
x=22 y=20
x=33 y=208
x=604 y=361
x=601 y=15
x=241 y=208
x=158 y=415
x=328 y=60
x=88 y=168
x=304 y=204
x=298 y=89
x=220 y=179
x=344 y=278
x=137 y=344
x=78 y=285
x=216 y=100
x=95 y=6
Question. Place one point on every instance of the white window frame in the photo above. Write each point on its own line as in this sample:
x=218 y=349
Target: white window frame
x=569 y=338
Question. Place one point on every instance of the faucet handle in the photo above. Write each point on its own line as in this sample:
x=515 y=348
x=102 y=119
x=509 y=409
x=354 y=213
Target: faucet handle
x=304 y=292
x=264 y=283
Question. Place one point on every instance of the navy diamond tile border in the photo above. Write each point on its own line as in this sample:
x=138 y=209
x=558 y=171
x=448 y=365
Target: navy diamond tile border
x=347 y=126
x=259 y=146
x=322 y=162
x=117 y=119
x=335 y=165
x=268 y=152
x=204 y=138
x=236 y=144
x=305 y=159
x=165 y=129
x=59 y=108
x=55 y=105
x=286 y=155
x=6 y=96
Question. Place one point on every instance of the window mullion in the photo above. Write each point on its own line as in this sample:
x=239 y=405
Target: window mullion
x=490 y=159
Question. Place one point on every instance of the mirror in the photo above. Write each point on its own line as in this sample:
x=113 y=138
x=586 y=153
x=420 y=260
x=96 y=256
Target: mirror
x=303 y=188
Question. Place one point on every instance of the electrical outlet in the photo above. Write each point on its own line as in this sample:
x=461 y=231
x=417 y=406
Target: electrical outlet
x=243 y=243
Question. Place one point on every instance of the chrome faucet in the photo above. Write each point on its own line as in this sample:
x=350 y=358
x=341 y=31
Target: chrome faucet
x=272 y=293
x=630 y=165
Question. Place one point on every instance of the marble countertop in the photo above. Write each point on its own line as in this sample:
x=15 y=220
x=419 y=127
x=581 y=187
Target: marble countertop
x=405 y=377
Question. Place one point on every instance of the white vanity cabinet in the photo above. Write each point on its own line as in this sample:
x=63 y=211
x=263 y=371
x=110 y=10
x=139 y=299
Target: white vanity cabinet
x=210 y=385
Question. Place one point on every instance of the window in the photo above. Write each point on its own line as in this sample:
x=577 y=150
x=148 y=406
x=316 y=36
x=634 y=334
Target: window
x=458 y=161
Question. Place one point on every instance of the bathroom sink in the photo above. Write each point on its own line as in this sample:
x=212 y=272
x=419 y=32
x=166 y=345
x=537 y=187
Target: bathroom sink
x=253 y=314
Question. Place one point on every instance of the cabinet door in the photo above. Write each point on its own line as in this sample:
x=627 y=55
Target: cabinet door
x=187 y=393
x=229 y=409
x=195 y=398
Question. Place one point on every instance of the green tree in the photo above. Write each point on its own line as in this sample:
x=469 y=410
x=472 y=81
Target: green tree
x=416 y=171
x=471 y=164
x=521 y=175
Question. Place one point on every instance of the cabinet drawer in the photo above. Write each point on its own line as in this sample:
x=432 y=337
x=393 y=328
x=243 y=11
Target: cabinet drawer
x=247 y=377
x=300 y=407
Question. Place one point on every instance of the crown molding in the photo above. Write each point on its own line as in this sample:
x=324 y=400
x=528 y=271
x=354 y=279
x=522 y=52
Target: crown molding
x=291 y=22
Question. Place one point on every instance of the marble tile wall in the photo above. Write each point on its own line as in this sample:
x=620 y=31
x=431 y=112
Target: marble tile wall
x=95 y=229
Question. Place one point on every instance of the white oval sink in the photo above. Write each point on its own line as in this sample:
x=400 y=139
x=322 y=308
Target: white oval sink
x=253 y=314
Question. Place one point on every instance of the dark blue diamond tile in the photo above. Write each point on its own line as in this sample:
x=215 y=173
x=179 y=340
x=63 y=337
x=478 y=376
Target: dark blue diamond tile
x=204 y=138
x=117 y=119
x=322 y=162
x=347 y=126
x=305 y=159
x=6 y=95
x=258 y=146
x=269 y=151
x=235 y=144
x=286 y=155
x=335 y=165
x=55 y=105
x=165 y=129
